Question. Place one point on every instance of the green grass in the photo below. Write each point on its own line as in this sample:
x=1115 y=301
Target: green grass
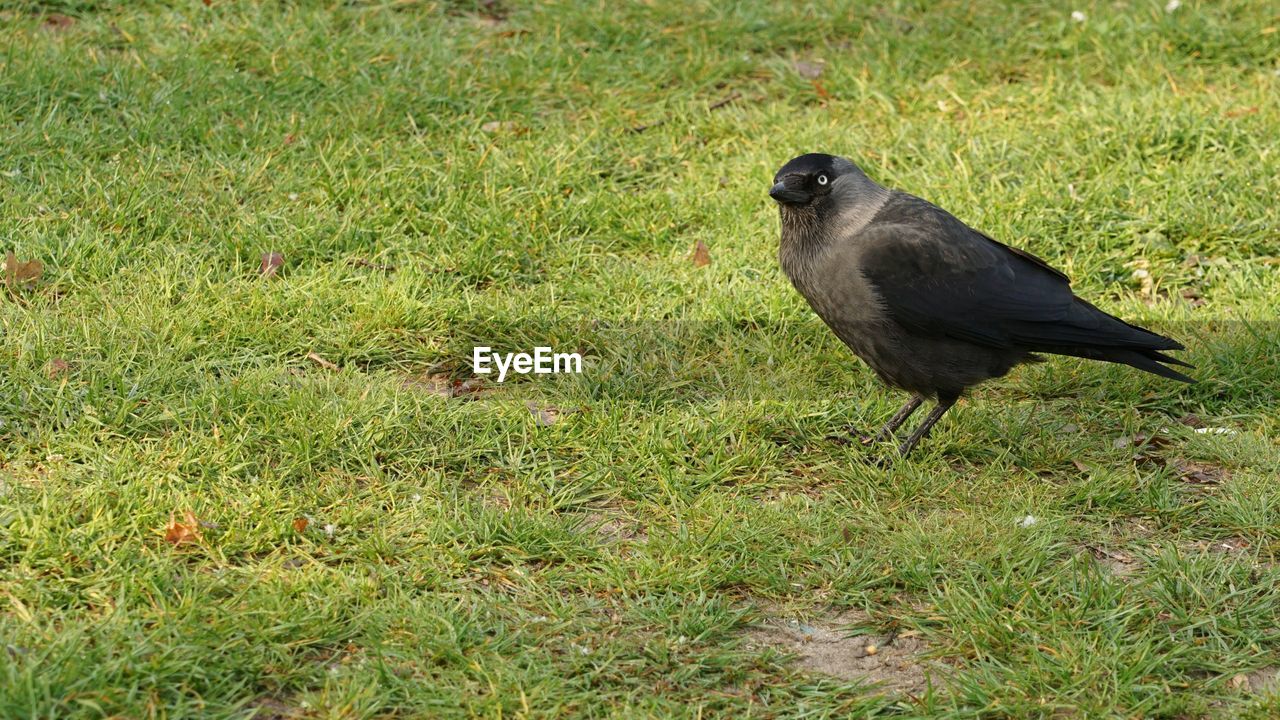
x=150 y=154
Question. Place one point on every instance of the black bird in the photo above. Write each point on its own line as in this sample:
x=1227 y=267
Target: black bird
x=932 y=305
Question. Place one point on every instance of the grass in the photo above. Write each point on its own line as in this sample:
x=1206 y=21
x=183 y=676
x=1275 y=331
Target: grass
x=462 y=556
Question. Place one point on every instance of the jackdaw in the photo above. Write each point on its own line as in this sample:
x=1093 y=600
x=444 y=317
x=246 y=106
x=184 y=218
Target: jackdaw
x=932 y=305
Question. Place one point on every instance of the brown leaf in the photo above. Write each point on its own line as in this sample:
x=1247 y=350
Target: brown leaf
x=1192 y=420
x=1241 y=112
x=1199 y=473
x=17 y=271
x=187 y=531
x=300 y=524
x=701 y=255
x=444 y=386
x=271 y=262
x=56 y=367
x=1080 y=466
x=55 y=21
x=1104 y=554
x=809 y=70
x=317 y=359
x=544 y=416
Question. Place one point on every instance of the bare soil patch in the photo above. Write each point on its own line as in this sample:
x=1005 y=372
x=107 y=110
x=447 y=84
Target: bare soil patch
x=827 y=645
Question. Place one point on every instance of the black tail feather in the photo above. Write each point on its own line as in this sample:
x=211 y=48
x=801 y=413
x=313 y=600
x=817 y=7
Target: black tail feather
x=1143 y=359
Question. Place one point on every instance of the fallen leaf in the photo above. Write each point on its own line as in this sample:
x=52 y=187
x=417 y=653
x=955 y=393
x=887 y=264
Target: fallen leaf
x=271 y=262
x=544 y=416
x=1080 y=466
x=317 y=359
x=444 y=386
x=1199 y=473
x=1104 y=554
x=809 y=70
x=187 y=531
x=1239 y=681
x=56 y=367
x=55 y=21
x=1191 y=420
x=701 y=255
x=1241 y=112
x=17 y=271
x=300 y=524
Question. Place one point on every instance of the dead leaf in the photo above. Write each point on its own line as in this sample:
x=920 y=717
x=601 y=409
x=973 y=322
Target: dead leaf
x=494 y=126
x=271 y=262
x=317 y=359
x=701 y=255
x=1241 y=112
x=1080 y=466
x=56 y=367
x=1192 y=296
x=300 y=524
x=187 y=531
x=809 y=70
x=1199 y=473
x=445 y=386
x=1104 y=554
x=17 y=271
x=1192 y=420
x=1239 y=681
x=56 y=21
x=544 y=416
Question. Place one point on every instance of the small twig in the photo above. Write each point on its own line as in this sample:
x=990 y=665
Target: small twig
x=361 y=262
x=721 y=103
x=641 y=128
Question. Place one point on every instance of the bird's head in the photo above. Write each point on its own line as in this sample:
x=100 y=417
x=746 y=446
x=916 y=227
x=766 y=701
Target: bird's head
x=810 y=179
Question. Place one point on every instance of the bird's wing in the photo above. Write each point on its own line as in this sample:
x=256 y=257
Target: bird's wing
x=936 y=275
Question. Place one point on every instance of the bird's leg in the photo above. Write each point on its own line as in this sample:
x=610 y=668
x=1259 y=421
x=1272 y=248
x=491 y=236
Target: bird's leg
x=895 y=422
x=944 y=404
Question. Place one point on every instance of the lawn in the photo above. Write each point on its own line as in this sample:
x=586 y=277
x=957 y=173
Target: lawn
x=236 y=484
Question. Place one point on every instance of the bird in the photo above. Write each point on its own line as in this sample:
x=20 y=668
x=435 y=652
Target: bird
x=933 y=306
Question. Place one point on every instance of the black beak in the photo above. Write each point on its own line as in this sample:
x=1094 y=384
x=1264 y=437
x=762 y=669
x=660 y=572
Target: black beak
x=788 y=195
